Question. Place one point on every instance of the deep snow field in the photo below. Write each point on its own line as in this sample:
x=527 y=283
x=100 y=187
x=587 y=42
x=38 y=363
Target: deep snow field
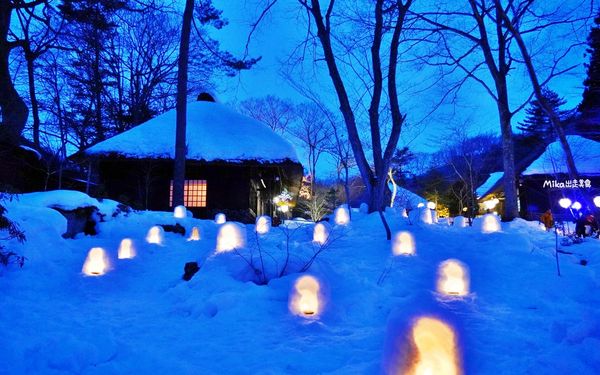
x=142 y=318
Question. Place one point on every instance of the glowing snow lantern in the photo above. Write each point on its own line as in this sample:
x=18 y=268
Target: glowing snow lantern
x=230 y=237
x=576 y=206
x=96 y=263
x=126 y=249
x=421 y=204
x=404 y=244
x=320 y=233
x=180 y=212
x=435 y=349
x=404 y=212
x=597 y=201
x=263 y=224
x=305 y=298
x=431 y=205
x=341 y=216
x=426 y=216
x=564 y=202
x=195 y=235
x=453 y=278
x=220 y=218
x=155 y=235
x=490 y=223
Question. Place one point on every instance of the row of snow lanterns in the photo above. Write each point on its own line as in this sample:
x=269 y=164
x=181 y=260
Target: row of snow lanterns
x=97 y=262
x=453 y=275
x=433 y=343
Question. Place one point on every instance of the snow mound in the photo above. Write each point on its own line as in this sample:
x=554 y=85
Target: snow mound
x=65 y=200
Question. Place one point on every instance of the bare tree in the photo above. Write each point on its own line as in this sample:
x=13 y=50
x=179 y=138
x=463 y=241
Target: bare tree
x=511 y=17
x=478 y=28
x=14 y=109
x=313 y=130
x=381 y=24
x=277 y=113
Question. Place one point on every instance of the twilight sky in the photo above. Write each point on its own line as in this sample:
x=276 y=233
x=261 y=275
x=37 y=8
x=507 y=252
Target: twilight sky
x=285 y=27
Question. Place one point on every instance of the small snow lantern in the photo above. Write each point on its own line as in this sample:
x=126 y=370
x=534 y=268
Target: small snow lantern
x=220 y=218
x=96 y=263
x=263 y=224
x=305 y=297
x=320 y=233
x=434 y=349
x=155 y=235
x=195 y=235
x=126 y=249
x=180 y=212
x=404 y=212
x=490 y=223
x=421 y=204
x=341 y=216
x=230 y=237
x=404 y=244
x=431 y=205
x=426 y=216
x=453 y=278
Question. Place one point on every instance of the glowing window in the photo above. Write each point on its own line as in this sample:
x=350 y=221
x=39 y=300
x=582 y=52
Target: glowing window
x=194 y=193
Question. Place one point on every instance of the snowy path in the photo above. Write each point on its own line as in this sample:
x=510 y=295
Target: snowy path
x=141 y=318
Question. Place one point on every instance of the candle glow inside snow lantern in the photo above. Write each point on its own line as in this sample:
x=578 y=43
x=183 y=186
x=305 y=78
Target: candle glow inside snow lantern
x=220 y=218
x=195 y=235
x=263 y=224
x=434 y=349
x=320 y=233
x=404 y=244
x=490 y=223
x=230 y=237
x=453 y=278
x=96 y=263
x=126 y=249
x=341 y=216
x=180 y=212
x=305 y=297
x=155 y=235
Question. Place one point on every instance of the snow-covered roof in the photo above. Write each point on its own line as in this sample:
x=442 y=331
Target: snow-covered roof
x=586 y=154
x=214 y=132
x=488 y=184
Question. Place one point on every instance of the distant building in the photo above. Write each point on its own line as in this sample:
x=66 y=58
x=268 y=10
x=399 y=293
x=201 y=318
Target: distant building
x=546 y=180
x=235 y=164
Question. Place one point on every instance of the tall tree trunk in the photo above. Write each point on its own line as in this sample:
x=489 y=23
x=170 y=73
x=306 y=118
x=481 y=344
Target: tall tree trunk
x=14 y=110
x=35 y=112
x=511 y=209
x=181 y=106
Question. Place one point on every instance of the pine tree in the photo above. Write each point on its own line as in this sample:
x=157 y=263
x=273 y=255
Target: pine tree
x=588 y=123
x=591 y=93
x=537 y=123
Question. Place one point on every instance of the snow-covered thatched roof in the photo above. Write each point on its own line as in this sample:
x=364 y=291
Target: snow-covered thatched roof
x=490 y=183
x=586 y=154
x=214 y=133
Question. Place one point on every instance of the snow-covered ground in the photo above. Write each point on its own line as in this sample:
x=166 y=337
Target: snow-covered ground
x=141 y=318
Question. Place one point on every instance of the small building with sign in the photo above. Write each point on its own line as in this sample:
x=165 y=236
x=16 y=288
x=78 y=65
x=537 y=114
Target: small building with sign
x=235 y=164
x=546 y=180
